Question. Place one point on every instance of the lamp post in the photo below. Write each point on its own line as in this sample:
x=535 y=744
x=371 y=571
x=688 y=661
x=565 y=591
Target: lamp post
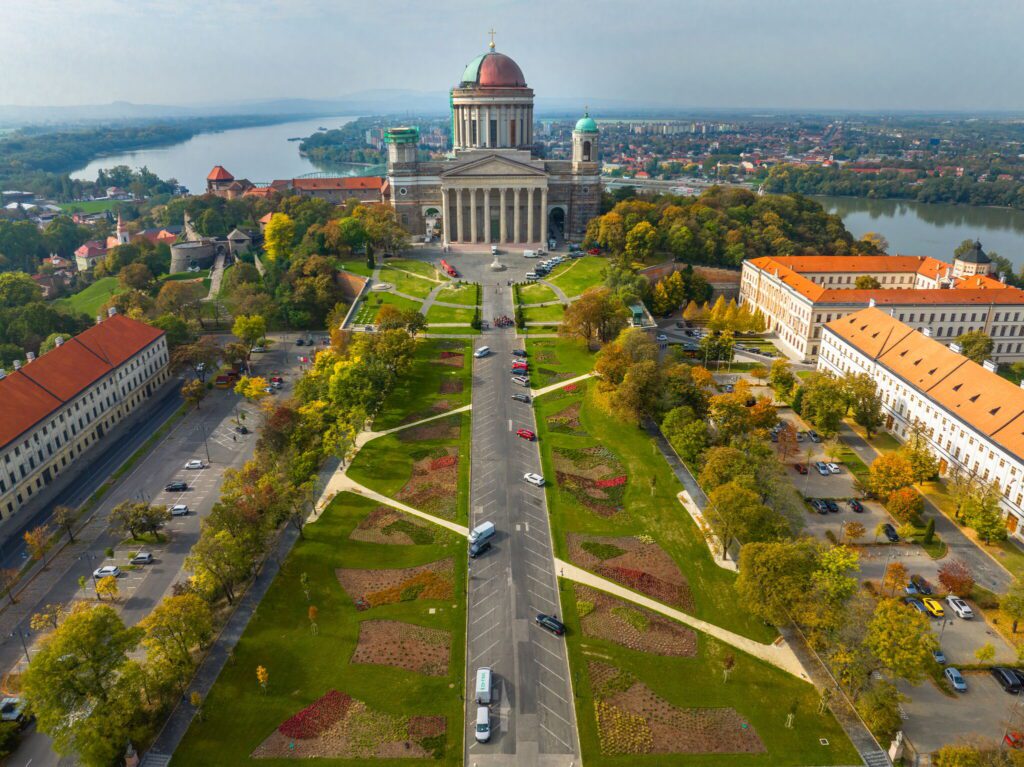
x=22 y=635
x=206 y=444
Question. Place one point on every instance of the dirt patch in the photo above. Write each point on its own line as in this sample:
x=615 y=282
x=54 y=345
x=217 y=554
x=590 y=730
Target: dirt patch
x=642 y=566
x=567 y=420
x=604 y=617
x=451 y=359
x=433 y=486
x=632 y=719
x=391 y=526
x=546 y=357
x=442 y=428
x=340 y=727
x=372 y=588
x=404 y=645
x=451 y=386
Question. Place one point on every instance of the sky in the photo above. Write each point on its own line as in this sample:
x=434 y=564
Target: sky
x=955 y=55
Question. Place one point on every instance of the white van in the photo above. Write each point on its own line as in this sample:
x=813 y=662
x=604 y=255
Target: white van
x=483 y=724
x=531 y=276
x=483 y=351
x=529 y=254
x=483 y=686
x=482 y=532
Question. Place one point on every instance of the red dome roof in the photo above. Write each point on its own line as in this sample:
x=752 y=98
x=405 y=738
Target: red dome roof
x=493 y=70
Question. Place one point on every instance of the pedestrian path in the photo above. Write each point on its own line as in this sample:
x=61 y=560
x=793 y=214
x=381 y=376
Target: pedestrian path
x=713 y=543
x=564 y=299
x=365 y=436
x=216 y=275
x=560 y=385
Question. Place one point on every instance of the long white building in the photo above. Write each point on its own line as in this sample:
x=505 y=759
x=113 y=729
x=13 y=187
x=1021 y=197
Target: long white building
x=54 y=408
x=972 y=418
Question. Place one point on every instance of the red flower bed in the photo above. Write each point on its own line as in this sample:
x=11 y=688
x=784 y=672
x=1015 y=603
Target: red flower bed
x=613 y=482
x=449 y=355
x=443 y=462
x=317 y=717
x=571 y=388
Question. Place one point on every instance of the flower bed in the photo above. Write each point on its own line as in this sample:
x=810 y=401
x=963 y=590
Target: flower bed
x=451 y=386
x=606 y=617
x=433 y=486
x=632 y=719
x=594 y=477
x=390 y=526
x=571 y=388
x=403 y=645
x=452 y=359
x=354 y=731
x=567 y=420
x=642 y=566
x=442 y=428
x=372 y=588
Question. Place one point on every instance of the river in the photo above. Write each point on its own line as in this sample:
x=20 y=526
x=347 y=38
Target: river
x=928 y=229
x=260 y=153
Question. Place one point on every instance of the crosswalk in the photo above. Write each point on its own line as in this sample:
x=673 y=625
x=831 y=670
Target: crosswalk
x=153 y=759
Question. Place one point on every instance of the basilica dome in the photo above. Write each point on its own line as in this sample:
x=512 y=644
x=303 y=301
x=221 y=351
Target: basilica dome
x=493 y=70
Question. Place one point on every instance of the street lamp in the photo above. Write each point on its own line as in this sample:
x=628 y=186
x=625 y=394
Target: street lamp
x=22 y=635
x=206 y=444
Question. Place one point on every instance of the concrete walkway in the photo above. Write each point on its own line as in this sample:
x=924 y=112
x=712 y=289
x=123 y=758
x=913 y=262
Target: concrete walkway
x=779 y=655
x=365 y=436
x=560 y=385
x=712 y=541
x=216 y=275
x=564 y=299
x=429 y=300
x=556 y=302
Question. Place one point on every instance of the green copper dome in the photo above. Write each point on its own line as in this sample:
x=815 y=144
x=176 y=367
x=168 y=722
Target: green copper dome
x=586 y=124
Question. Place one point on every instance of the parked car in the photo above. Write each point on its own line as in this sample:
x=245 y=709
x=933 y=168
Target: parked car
x=856 y=506
x=521 y=380
x=13 y=710
x=551 y=623
x=259 y=349
x=819 y=505
x=922 y=585
x=142 y=558
x=534 y=479
x=1014 y=739
x=800 y=468
x=833 y=468
x=300 y=342
x=519 y=353
x=814 y=436
x=1006 y=679
x=959 y=607
x=890 y=532
x=478 y=548
x=934 y=607
x=832 y=505
x=483 y=351
x=911 y=588
x=915 y=603
x=521 y=398
x=177 y=486
x=661 y=337
x=242 y=429
x=106 y=572
x=955 y=679
x=526 y=434
x=822 y=468
x=939 y=656
x=179 y=510
x=195 y=463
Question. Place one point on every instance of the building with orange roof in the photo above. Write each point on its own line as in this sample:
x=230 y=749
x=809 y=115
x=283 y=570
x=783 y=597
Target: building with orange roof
x=971 y=418
x=55 y=408
x=799 y=294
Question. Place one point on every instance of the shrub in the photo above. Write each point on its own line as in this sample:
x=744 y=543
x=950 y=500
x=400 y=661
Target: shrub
x=634 y=618
x=584 y=608
x=929 y=532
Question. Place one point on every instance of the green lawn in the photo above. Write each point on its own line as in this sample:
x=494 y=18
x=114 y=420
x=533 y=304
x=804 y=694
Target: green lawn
x=762 y=694
x=406 y=283
x=552 y=313
x=367 y=311
x=422 y=268
x=89 y=206
x=356 y=266
x=536 y=293
x=461 y=330
x=303 y=667
x=555 y=359
x=449 y=314
x=419 y=390
x=91 y=300
x=575 y=276
x=654 y=511
x=385 y=464
x=467 y=294
x=202 y=274
x=535 y=330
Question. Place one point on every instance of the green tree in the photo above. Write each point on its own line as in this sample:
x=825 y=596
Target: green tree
x=135 y=277
x=1012 y=603
x=176 y=626
x=596 y=316
x=18 y=289
x=279 y=237
x=901 y=640
x=218 y=557
x=823 y=402
x=641 y=241
x=835 y=575
x=867 y=282
x=138 y=517
x=83 y=688
x=781 y=377
x=775 y=578
x=975 y=345
x=879 y=708
x=730 y=415
x=865 y=402
x=736 y=513
x=986 y=517
x=250 y=329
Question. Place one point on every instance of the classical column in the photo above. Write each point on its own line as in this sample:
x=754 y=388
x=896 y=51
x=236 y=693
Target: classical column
x=544 y=214
x=472 y=216
x=459 y=230
x=516 y=220
x=487 y=215
x=445 y=216
x=503 y=230
x=529 y=214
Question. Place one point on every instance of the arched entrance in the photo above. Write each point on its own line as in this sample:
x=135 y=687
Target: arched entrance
x=432 y=222
x=556 y=223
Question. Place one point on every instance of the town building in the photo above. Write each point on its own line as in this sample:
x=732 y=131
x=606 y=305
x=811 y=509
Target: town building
x=54 y=408
x=342 y=189
x=88 y=253
x=493 y=187
x=971 y=418
x=800 y=294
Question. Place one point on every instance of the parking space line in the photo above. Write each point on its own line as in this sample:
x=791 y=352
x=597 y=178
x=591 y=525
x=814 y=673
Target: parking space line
x=554 y=736
x=552 y=692
x=557 y=676
x=551 y=710
x=547 y=650
x=543 y=599
x=481 y=617
x=485 y=651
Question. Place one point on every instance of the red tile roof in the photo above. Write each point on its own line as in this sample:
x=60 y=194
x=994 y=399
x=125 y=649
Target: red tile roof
x=42 y=387
x=341 y=183
x=219 y=173
x=902 y=296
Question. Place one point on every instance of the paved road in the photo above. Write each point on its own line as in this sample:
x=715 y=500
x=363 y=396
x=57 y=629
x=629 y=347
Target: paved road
x=142 y=589
x=532 y=718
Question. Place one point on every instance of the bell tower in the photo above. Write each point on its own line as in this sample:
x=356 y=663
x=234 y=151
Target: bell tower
x=584 y=141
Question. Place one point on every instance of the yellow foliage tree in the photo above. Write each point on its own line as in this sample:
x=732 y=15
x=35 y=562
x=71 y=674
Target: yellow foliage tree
x=107 y=587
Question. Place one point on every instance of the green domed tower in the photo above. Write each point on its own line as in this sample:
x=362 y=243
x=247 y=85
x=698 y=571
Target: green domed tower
x=584 y=140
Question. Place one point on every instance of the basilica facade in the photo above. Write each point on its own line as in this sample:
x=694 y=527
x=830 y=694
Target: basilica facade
x=492 y=188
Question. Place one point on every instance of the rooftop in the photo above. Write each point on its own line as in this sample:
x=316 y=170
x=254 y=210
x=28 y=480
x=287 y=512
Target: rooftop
x=219 y=173
x=986 y=401
x=342 y=183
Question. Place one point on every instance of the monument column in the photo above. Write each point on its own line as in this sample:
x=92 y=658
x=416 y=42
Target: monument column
x=529 y=214
x=459 y=230
x=503 y=230
x=516 y=220
x=544 y=214
x=487 y=215
x=472 y=216
x=445 y=216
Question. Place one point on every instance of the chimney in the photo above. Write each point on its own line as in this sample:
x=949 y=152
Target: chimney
x=111 y=311
x=927 y=332
x=871 y=302
x=17 y=364
x=99 y=318
x=58 y=341
x=990 y=366
x=29 y=356
x=1002 y=278
x=1021 y=382
x=955 y=347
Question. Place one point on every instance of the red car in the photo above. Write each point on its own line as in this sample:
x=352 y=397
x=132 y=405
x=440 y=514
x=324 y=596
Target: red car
x=800 y=468
x=1014 y=739
x=527 y=434
x=520 y=366
x=594 y=251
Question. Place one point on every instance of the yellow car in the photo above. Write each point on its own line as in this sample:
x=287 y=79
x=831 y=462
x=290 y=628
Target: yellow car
x=933 y=606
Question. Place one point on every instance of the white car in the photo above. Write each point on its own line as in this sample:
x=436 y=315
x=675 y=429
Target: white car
x=661 y=337
x=195 y=463
x=259 y=349
x=142 y=558
x=179 y=510
x=534 y=479
x=833 y=468
x=106 y=571
x=960 y=607
x=483 y=351
x=521 y=380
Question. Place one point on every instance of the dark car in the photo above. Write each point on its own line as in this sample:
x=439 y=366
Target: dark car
x=832 y=505
x=921 y=584
x=800 y=468
x=521 y=398
x=1007 y=679
x=890 y=532
x=856 y=505
x=551 y=623
x=176 y=487
x=242 y=429
x=819 y=506
x=519 y=352
x=300 y=342
x=815 y=437
x=478 y=548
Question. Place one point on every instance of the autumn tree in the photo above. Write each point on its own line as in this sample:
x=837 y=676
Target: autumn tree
x=65 y=517
x=108 y=587
x=901 y=640
x=180 y=297
x=253 y=388
x=176 y=626
x=597 y=316
x=853 y=530
x=48 y=618
x=36 y=541
x=641 y=241
x=193 y=392
x=736 y=513
x=956 y=577
x=905 y=504
x=136 y=518
x=896 y=577
x=787 y=444
x=197 y=356
x=889 y=473
x=9 y=577
x=781 y=377
x=730 y=415
x=879 y=708
x=136 y=277
x=279 y=237
x=220 y=560
x=975 y=345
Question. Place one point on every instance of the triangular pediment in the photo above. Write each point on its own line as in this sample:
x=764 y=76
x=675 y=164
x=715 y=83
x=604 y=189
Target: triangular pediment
x=492 y=165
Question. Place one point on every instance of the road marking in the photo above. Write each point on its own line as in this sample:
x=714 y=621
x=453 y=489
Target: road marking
x=527 y=527
x=551 y=710
x=485 y=651
x=548 y=650
x=554 y=736
x=481 y=617
x=542 y=583
x=510 y=424
x=552 y=692
x=559 y=676
x=517 y=528
x=542 y=599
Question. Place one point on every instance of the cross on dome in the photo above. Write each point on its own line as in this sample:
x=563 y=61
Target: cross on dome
x=491 y=33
